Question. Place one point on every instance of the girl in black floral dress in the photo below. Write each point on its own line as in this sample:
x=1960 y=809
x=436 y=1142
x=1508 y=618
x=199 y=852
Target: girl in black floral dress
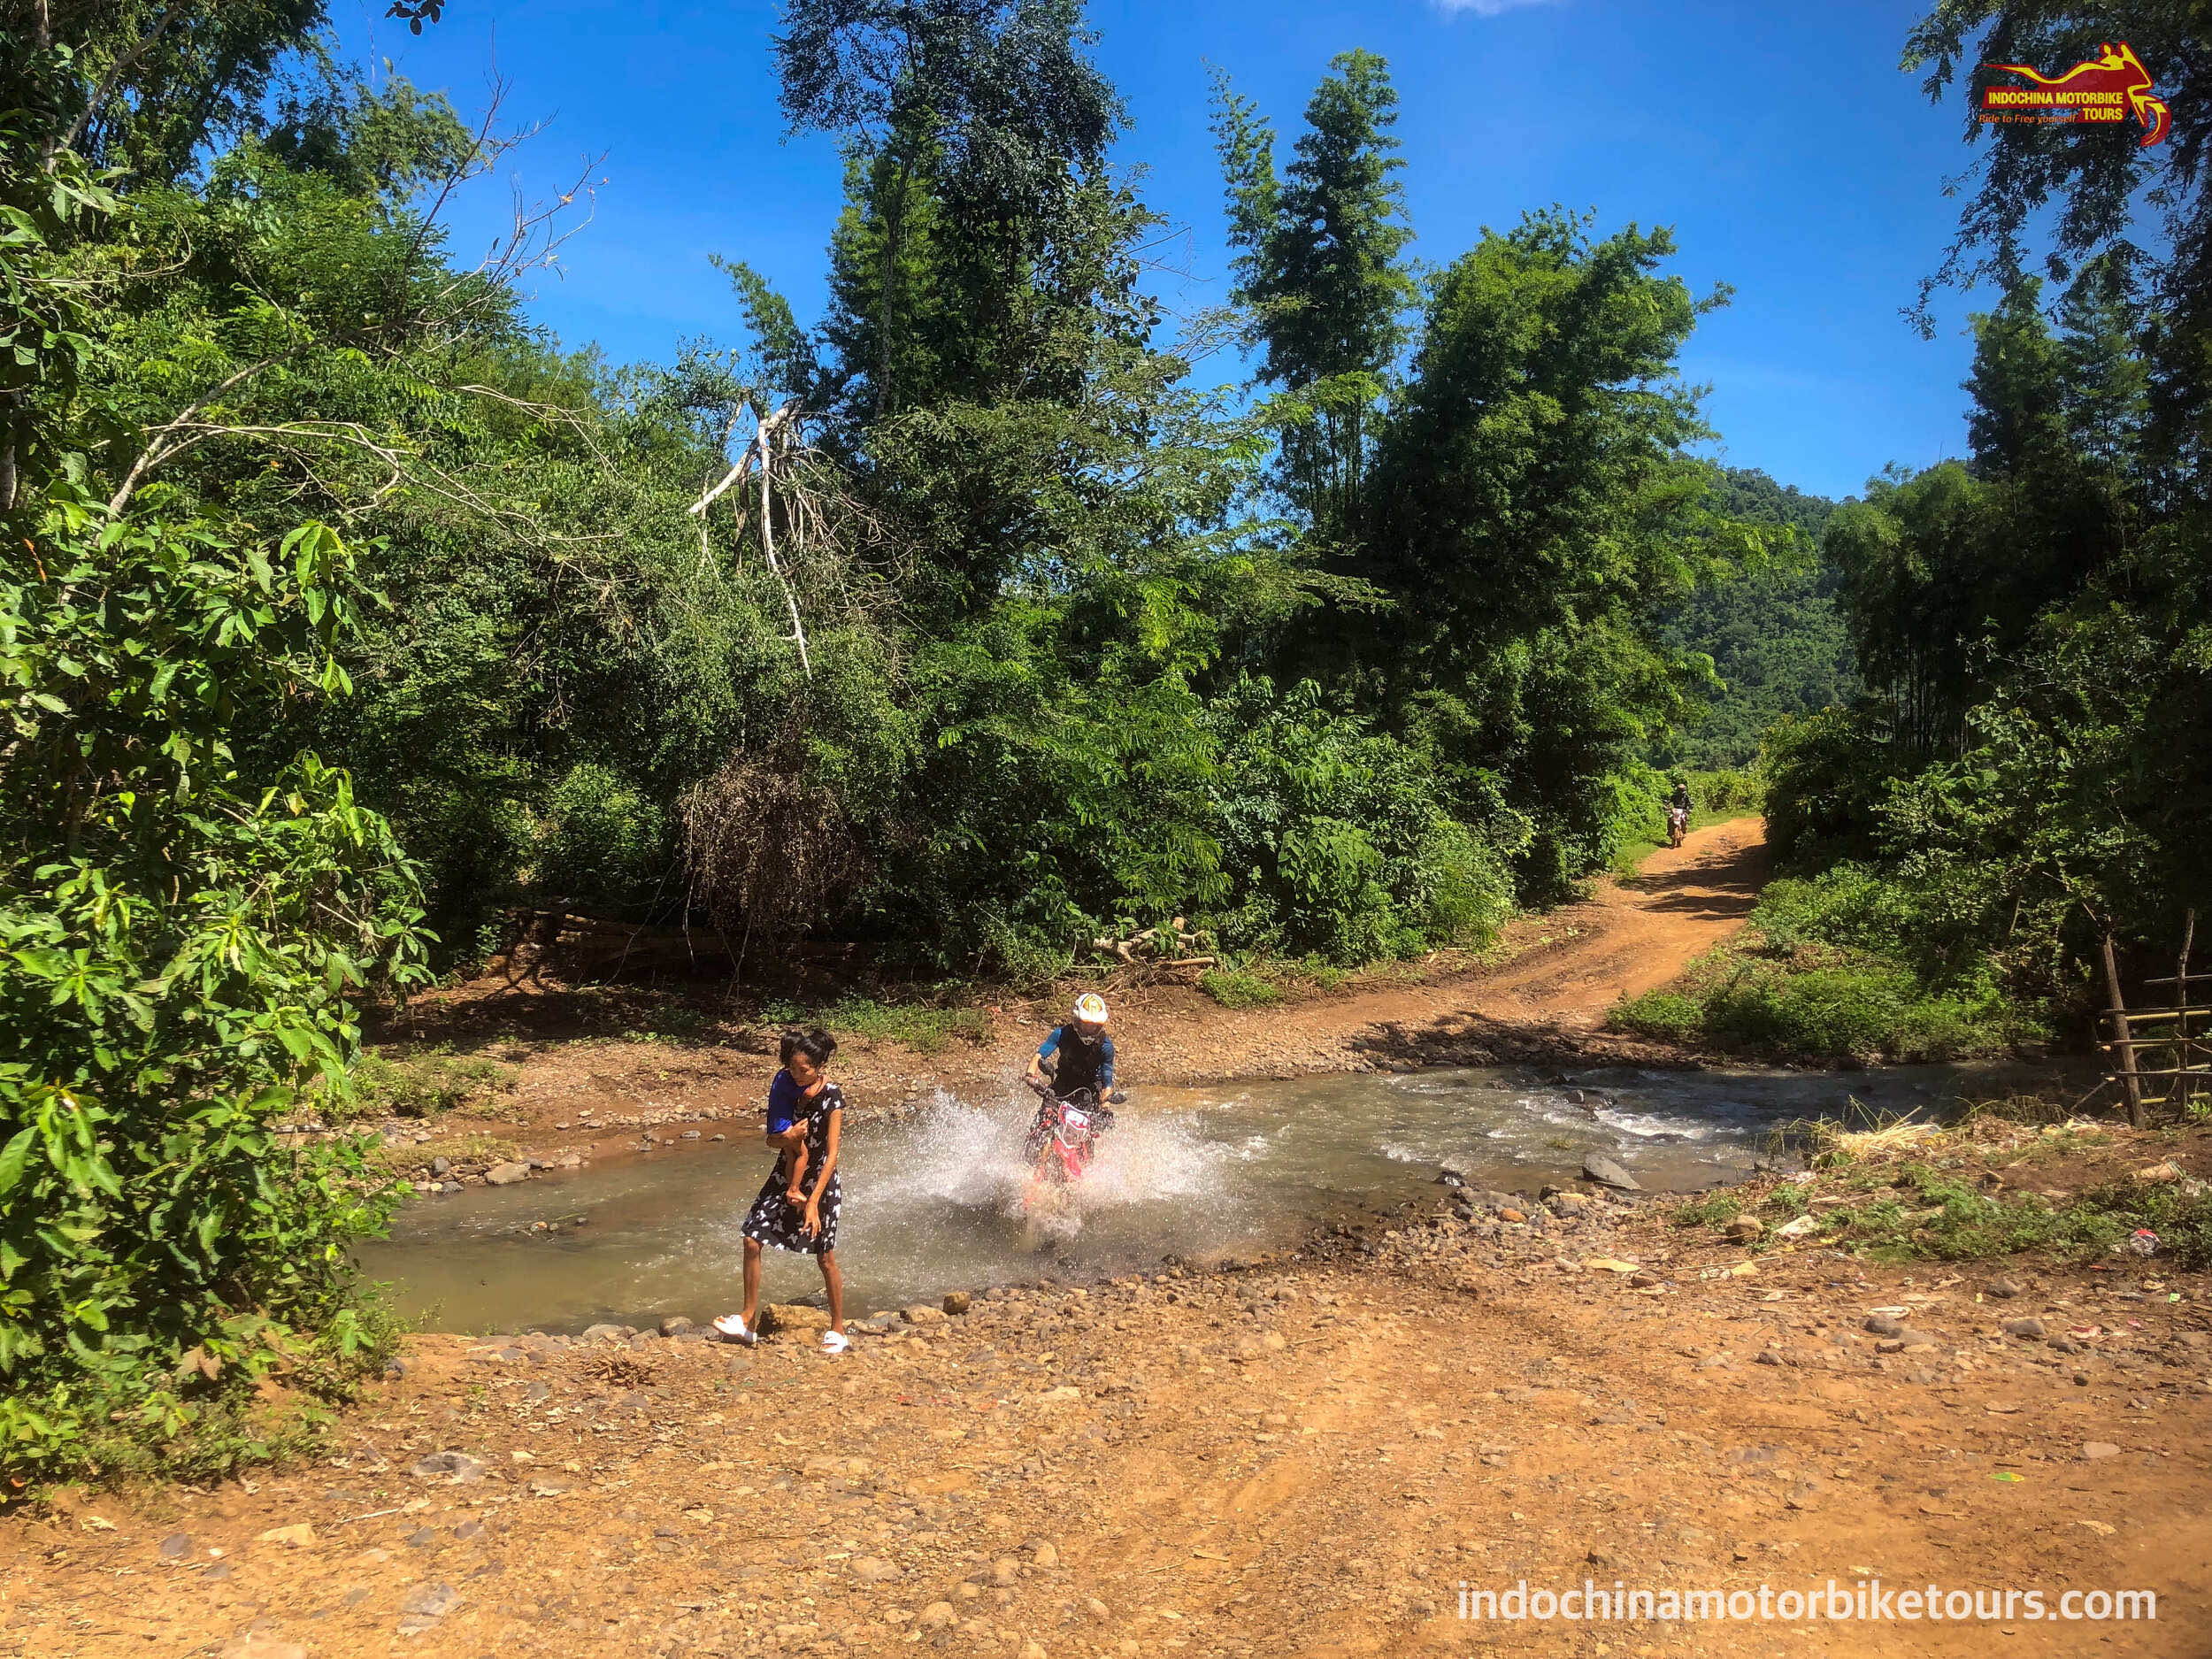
x=809 y=1227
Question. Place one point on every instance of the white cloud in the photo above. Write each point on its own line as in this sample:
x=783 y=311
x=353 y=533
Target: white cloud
x=1484 y=8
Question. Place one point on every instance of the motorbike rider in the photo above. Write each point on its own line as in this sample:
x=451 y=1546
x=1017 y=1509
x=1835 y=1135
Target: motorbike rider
x=1082 y=1057
x=1678 y=805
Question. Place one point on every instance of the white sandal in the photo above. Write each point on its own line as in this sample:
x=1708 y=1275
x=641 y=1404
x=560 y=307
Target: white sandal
x=733 y=1327
x=835 y=1341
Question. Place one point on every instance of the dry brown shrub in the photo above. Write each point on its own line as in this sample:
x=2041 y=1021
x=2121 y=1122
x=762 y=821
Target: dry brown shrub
x=767 y=852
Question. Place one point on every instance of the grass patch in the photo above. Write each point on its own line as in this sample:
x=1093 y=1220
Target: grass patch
x=1713 y=1210
x=922 y=1027
x=1237 y=987
x=1896 y=1189
x=1927 y=1213
x=1843 y=966
x=1833 y=1005
x=1823 y=972
x=428 y=1084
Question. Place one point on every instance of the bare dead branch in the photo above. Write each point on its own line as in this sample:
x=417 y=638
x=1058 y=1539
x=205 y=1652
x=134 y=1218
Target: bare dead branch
x=120 y=68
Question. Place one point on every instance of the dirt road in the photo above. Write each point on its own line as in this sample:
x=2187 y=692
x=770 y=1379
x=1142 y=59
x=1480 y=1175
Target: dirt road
x=1308 y=1456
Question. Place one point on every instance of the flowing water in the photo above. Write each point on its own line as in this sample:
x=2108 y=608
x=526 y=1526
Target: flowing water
x=935 y=1199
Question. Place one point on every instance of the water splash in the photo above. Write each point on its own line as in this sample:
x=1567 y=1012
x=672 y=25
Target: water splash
x=973 y=1158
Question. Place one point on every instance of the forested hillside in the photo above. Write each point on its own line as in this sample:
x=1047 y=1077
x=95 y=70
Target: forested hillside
x=2017 y=794
x=1778 y=644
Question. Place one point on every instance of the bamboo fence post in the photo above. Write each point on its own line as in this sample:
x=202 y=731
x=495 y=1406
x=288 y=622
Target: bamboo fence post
x=2123 y=1038
x=2184 y=1050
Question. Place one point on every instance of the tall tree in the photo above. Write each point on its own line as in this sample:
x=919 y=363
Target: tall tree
x=1323 y=273
x=1536 y=517
x=966 y=119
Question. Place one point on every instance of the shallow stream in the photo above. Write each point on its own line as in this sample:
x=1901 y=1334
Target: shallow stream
x=933 y=1200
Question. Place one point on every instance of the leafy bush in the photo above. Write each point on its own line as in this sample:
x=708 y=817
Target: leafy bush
x=1845 y=964
x=1332 y=840
x=603 y=839
x=1728 y=794
x=179 y=961
x=1827 y=775
x=1863 y=1009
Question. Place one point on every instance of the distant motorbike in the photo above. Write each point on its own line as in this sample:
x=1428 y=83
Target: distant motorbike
x=1678 y=825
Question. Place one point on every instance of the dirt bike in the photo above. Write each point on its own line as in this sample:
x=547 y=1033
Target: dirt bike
x=1678 y=825
x=1063 y=1140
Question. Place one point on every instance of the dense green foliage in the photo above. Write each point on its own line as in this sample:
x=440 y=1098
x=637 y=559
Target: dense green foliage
x=2027 y=767
x=1778 y=646
x=180 y=939
x=1835 y=967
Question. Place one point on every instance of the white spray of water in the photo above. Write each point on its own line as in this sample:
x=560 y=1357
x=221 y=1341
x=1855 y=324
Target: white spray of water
x=968 y=1157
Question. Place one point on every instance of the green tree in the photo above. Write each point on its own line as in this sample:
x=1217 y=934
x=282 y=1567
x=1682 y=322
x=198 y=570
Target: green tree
x=1537 y=516
x=1323 y=275
x=179 y=945
x=2084 y=191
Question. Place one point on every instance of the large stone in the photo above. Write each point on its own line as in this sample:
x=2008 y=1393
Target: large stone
x=778 y=1319
x=602 y=1334
x=922 y=1313
x=2093 y=1451
x=956 y=1302
x=1743 y=1229
x=675 y=1325
x=937 y=1616
x=506 y=1174
x=1605 y=1173
x=2030 y=1327
x=1883 y=1325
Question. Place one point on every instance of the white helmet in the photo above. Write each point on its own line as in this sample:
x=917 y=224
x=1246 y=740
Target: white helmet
x=1090 y=1009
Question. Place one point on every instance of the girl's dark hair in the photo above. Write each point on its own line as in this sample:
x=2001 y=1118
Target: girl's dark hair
x=817 y=1044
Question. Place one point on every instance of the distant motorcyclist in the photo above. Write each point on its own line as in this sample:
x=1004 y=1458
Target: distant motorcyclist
x=1082 y=1058
x=1678 y=812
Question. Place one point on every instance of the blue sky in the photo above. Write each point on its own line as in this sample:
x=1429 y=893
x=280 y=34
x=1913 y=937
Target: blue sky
x=1792 y=159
